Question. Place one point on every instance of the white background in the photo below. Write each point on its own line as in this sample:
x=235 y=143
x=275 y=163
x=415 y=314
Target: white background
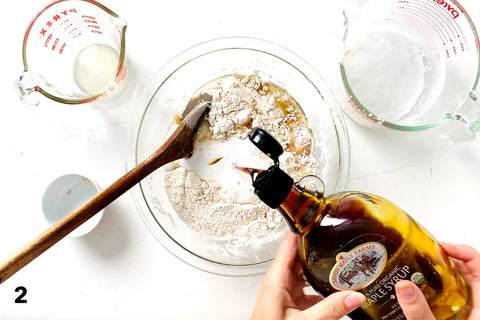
x=119 y=270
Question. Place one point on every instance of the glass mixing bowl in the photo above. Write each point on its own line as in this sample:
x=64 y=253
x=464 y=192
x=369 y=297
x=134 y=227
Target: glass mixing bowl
x=168 y=93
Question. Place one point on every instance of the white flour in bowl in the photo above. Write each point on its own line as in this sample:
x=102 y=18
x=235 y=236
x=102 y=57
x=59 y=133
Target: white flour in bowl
x=206 y=191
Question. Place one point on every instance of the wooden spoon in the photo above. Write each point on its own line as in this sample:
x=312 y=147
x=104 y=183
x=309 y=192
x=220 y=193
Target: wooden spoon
x=178 y=145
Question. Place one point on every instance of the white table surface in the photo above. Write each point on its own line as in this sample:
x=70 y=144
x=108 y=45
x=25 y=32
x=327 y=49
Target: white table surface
x=119 y=270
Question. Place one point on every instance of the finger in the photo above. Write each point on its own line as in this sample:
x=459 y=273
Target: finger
x=412 y=301
x=468 y=255
x=307 y=301
x=333 y=307
x=286 y=254
x=282 y=276
x=467 y=260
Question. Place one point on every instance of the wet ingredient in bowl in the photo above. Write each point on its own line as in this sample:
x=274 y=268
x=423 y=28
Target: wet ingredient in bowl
x=206 y=191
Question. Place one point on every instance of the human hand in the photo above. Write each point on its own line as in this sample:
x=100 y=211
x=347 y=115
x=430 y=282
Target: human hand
x=467 y=260
x=281 y=294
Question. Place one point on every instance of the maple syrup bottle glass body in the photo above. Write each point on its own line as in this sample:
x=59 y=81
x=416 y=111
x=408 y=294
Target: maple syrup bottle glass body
x=359 y=241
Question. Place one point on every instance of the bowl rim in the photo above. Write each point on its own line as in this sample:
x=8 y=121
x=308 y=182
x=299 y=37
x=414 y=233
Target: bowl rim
x=161 y=76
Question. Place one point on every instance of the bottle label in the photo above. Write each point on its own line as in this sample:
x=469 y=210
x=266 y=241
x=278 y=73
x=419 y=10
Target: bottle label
x=359 y=267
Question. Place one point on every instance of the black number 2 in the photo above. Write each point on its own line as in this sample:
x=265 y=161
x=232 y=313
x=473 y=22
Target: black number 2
x=23 y=292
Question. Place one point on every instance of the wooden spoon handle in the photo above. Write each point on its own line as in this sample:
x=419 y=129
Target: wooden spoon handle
x=178 y=145
x=165 y=154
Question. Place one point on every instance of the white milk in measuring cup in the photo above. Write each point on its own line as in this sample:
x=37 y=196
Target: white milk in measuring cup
x=73 y=52
x=411 y=65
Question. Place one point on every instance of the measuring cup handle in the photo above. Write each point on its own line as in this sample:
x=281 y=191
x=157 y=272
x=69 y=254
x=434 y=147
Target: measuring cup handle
x=25 y=86
x=467 y=124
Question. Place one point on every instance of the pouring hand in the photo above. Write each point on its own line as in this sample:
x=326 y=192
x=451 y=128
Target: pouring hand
x=281 y=295
x=467 y=260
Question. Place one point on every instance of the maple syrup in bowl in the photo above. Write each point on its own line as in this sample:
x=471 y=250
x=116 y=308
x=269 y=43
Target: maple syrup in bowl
x=278 y=82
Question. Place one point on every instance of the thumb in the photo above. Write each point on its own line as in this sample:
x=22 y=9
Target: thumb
x=334 y=307
x=412 y=301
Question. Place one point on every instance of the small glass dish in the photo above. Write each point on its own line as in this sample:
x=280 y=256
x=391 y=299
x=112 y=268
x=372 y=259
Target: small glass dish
x=168 y=93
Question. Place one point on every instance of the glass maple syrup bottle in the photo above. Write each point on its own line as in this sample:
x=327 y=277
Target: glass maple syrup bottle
x=360 y=241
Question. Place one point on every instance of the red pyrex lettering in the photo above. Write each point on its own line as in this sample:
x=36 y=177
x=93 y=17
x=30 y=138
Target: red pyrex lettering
x=449 y=8
x=55 y=18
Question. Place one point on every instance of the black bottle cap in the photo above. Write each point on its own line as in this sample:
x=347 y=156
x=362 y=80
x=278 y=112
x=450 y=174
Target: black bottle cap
x=266 y=143
x=272 y=186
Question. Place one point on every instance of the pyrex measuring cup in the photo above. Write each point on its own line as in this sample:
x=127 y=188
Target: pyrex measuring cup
x=411 y=65
x=73 y=52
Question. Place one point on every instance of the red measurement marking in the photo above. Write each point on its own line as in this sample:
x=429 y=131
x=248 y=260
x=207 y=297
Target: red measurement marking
x=47 y=42
x=55 y=18
x=55 y=44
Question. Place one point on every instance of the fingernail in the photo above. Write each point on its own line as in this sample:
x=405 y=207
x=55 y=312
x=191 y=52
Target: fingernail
x=446 y=244
x=405 y=291
x=354 y=300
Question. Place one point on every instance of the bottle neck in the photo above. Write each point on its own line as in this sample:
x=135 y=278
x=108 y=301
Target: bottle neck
x=301 y=210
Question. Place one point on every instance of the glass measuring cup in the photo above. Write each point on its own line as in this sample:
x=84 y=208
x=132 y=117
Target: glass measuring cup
x=73 y=52
x=411 y=65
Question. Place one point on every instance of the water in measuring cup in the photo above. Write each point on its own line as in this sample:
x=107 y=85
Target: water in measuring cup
x=94 y=67
x=394 y=73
